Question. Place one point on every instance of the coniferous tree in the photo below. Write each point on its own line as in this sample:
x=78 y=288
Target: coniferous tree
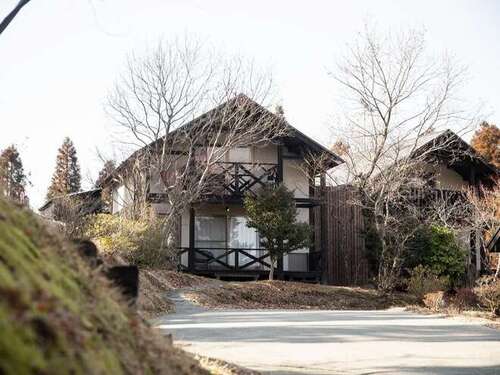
x=66 y=178
x=273 y=214
x=108 y=168
x=486 y=141
x=13 y=180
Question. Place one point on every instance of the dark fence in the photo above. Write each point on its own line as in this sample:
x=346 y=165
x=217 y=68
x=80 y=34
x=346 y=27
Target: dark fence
x=237 y=259
x=344 y=258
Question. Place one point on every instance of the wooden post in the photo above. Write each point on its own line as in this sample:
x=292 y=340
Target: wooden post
x=237 y=178
x=325 y=272
x=236 y=260
x=279 y=265
x=280 y=164
x=191 y=253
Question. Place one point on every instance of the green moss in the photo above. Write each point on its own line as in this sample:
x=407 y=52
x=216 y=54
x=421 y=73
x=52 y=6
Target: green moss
x=57 y=316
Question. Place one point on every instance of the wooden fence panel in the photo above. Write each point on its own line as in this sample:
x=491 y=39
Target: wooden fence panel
x=344 y=257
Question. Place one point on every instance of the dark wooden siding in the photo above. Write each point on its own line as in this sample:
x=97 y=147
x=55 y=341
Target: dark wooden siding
x=344 y=260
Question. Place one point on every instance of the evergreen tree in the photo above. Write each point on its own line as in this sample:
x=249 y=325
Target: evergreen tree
x=13 y=180
x=274 y=214
x=486 y=141
x=108 y=168
x=66 y=178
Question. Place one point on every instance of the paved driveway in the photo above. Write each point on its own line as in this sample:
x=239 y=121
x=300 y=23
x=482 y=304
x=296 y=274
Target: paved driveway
x=337 y=342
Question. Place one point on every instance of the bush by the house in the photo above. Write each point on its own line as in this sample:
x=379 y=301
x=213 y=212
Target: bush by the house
x=424 y=280
x=141 y=242
x=436 y=247
x=488 y=292
x=464 y=298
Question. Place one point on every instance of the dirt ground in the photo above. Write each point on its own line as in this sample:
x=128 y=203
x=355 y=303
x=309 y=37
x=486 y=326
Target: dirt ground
x=292 y=295
x=157 y=284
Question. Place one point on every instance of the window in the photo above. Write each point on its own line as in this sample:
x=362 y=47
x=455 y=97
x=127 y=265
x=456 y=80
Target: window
x=216 y=235
x=241 y=236
x=213 y=232
x=210 y=232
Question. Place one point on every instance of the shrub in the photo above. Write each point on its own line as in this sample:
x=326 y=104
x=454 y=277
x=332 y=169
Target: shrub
x=423 y=280
x=140 y=242
x=488 y=292
x=464 y=298
x=435 y=301
x=437 y=248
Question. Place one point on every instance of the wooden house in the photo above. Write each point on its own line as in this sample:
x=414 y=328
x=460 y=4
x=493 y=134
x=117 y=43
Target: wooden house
x=213 y=238
x=454 y=168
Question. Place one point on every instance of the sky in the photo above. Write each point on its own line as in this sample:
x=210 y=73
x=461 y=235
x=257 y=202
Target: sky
x=59 y=59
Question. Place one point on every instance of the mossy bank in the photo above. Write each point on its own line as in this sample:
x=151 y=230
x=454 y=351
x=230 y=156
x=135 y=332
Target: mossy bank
x=58 y=316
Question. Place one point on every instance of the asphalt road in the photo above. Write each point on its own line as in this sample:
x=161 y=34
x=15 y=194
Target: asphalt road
x=336 y=342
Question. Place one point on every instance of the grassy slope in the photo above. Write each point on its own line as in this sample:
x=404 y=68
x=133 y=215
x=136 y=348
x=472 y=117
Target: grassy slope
x=57 y=316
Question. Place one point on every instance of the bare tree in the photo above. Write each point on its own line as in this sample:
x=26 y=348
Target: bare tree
x=162 y=105
x=484 y=217
x=396 y=100
x=13 y=13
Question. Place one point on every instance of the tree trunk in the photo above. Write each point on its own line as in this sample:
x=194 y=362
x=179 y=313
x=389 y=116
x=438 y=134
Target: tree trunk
x=271 y=270
x=497 y=272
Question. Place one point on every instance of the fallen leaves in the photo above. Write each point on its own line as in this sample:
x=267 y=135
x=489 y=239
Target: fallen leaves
x=290 y=295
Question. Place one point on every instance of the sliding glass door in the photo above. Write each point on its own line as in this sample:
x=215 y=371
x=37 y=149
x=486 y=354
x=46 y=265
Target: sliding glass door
x=217 y=235
x=242 y=237
x=210 y=240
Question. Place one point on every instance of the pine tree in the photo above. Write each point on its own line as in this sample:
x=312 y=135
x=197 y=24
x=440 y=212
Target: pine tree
x=273 y=214
x=66 y=178
x=108 y=168
x=486 y=141
x=13 y=180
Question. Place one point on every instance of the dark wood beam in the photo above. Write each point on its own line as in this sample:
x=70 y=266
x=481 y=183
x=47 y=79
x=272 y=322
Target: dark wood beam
x=280 y=164
x=323 y=228
x=191 y=252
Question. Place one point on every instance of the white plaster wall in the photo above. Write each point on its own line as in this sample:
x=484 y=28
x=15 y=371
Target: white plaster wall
x=121 y=197
x=184 y=240
x=265 y=154
x=161 y=208
x=446 y=178
x=295 y=178
x=449 y=179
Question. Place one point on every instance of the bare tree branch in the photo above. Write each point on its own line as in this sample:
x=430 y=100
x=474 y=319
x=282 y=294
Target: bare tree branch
x=10 y=17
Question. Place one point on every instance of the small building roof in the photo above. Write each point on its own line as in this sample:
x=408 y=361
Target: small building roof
x=82 y=194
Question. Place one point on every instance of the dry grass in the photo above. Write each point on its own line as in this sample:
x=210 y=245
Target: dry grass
x=472 y=315
x=152 y=301
x=154 y=286
x=291 y=295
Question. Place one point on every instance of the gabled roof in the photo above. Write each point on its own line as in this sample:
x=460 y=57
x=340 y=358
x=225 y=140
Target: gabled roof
x=455 y=153
x=79 y=194
x=294 y=135
x=460 y=156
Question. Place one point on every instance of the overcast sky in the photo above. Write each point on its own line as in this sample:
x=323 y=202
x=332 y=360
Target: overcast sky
x=59 y=58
